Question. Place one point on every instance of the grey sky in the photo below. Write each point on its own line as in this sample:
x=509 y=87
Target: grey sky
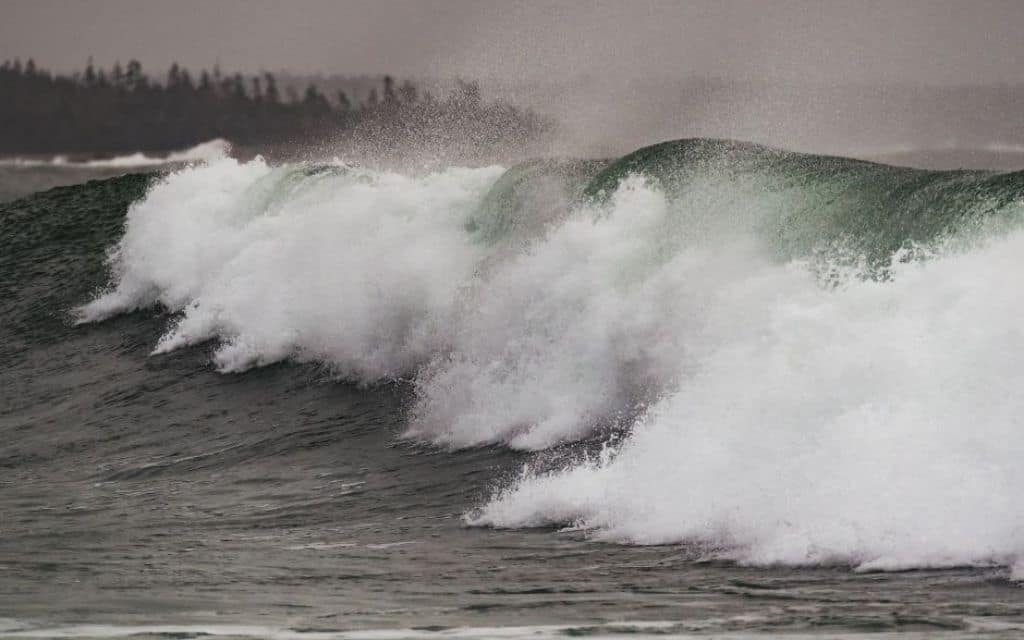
x=925 y=41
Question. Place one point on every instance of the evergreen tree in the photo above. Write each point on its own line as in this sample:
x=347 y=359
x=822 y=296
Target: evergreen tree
x=271 y=93
x=173 y=76
x=123 y=109
x=344 y=104
x=90 y=74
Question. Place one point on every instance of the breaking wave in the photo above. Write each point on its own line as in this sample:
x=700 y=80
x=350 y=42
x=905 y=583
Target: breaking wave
x=791 y=359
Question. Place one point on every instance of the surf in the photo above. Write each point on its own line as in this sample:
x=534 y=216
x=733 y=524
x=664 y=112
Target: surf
x=799 y=359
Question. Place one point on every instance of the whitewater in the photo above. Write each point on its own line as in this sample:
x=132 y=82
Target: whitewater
x=770 y=358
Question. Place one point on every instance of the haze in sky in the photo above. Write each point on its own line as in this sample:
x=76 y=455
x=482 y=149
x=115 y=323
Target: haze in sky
x=922 y=41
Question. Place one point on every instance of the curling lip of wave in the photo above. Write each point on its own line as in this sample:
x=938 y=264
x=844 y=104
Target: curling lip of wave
x=780 y=420
x=203 y=152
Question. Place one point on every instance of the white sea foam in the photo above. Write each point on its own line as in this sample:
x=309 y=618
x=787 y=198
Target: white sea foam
x=593 y=320
x=356 y=269
x=876 y=424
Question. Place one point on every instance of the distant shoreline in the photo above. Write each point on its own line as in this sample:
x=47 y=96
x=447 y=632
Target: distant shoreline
x=942 y=158
x=123 y=111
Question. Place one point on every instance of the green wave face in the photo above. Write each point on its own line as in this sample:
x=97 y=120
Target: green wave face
x=808 y=201
x=52 y=254
x=530 y=196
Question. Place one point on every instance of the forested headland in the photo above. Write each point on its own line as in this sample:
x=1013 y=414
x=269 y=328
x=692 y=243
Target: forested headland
x=123 y=109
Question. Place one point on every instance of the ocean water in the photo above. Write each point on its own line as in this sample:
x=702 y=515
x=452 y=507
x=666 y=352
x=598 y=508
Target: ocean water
x=22 y=176
x=705 y=389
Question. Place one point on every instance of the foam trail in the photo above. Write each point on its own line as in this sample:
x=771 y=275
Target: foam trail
x=55 y=161
x=204 y=152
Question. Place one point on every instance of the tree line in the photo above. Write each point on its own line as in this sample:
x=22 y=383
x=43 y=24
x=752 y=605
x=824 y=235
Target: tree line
x=123 y=109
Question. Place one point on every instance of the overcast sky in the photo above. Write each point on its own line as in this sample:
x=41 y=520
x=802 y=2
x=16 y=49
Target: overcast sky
x=933 y=42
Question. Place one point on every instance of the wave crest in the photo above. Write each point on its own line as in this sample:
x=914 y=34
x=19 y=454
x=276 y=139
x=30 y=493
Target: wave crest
x=798 y=386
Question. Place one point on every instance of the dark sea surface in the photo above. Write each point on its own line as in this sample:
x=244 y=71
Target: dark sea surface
x=317 y=489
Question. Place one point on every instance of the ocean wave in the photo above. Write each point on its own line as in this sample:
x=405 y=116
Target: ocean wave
x=203 y=152
x=804 y=359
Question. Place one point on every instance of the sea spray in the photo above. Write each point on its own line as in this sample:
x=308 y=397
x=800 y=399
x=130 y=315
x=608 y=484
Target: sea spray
x=876 y=425
x=591 y=322
x=356 y=269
